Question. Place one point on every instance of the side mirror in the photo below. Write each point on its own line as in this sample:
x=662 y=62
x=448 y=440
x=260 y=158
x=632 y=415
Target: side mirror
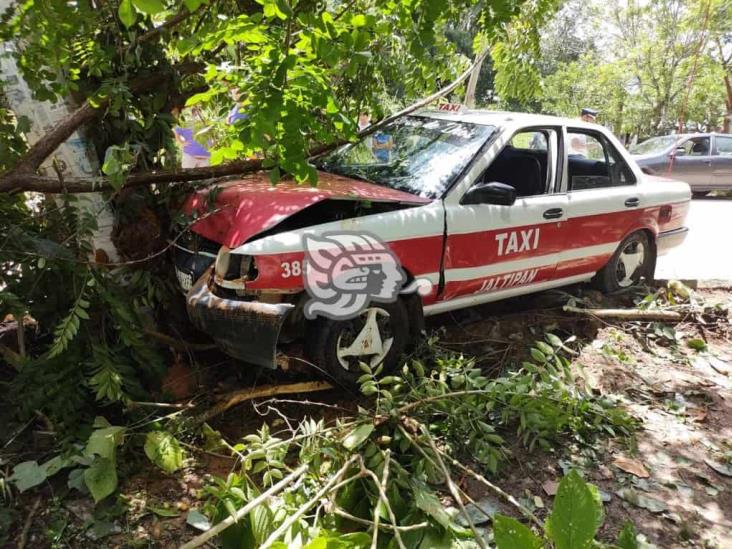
x=490 y=193
x=678 y=151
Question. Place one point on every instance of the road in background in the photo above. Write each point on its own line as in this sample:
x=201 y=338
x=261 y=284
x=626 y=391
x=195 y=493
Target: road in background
x=706 y=254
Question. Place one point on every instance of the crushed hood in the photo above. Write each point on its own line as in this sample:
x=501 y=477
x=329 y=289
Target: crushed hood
x=249 y=206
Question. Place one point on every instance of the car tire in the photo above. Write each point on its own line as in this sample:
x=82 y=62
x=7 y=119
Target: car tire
x=327 y=342
x=615 y=275
x=699 y=194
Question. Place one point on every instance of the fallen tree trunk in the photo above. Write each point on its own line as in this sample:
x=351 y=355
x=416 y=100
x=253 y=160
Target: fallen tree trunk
x=23 y=177
x=628 y=314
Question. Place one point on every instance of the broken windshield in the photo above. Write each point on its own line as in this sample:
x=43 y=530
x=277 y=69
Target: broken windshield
x=415 y=154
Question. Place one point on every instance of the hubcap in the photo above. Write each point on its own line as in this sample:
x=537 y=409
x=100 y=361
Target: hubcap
x=367 y=339
x=631 y=259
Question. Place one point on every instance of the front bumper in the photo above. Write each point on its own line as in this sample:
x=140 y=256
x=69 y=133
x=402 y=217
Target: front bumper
x=247 y=330
x=667 y=240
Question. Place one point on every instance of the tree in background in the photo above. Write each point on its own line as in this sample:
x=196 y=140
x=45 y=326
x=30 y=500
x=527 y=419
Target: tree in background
x=720 y=47
x=644 y=65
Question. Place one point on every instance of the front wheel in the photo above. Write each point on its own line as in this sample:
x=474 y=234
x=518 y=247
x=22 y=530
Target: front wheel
x=634 y=259
x=377 y=336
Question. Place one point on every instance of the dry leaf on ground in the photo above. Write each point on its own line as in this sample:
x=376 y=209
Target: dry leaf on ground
x=632 y=466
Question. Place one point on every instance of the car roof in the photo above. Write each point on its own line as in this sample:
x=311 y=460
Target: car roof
x=500 y=118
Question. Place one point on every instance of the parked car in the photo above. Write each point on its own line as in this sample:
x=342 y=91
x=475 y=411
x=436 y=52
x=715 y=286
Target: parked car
x=474 y=206
x=703 y=160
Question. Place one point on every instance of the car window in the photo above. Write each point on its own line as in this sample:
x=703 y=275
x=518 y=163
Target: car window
x=724 y=146
x=654 y=145
x=593 y=163
x=525 y=163
x=696 y=146
x=532 y=140
x=416 y=154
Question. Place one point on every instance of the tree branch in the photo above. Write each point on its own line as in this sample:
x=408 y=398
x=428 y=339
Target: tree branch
x=88 y=111
x=22 y=178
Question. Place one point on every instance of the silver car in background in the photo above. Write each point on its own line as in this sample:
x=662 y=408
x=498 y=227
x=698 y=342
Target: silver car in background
x=703 y=160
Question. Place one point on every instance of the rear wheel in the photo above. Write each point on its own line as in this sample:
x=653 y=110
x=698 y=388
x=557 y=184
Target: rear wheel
x=378 y=336
x=635 y=258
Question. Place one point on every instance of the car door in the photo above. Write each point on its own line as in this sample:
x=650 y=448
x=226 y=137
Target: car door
x=494 y=250
x=692 y=161
x=722 y=161
x=603 y=204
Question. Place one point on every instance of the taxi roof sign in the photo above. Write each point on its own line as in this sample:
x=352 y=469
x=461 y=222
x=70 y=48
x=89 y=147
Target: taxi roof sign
x=450 y=107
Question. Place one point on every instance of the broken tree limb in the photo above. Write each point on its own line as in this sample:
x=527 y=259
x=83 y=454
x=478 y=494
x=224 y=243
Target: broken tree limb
x=429 y=99
x=232 y=399
x=23 y=178
x=628 y=314
x=241 y=513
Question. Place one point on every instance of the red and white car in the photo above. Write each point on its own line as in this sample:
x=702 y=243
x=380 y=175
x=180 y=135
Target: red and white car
x=483 y=205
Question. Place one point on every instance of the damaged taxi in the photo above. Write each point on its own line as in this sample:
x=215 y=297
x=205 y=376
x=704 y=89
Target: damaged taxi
x=445 y=209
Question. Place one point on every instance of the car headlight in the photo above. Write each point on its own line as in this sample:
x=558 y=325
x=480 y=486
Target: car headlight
x=248 y=268
x=223 y=258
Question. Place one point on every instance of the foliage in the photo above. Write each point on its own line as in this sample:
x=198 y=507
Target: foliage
x=573 y=523
x=302 y=70
x=93 y=466
x=389 y=461
x=658 y=68
x=88 y=345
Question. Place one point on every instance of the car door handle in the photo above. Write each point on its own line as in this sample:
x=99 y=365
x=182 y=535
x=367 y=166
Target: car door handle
x=632 y=202
x=553 y=213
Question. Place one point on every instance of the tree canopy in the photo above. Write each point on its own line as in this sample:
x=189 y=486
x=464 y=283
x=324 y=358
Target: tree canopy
x=302 y=70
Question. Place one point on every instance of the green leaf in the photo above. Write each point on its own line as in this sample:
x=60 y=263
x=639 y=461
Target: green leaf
x=577 y=514
x=426 y=500
x=127 y=13
x=26 y=475
x=164 y=450
x=537 y=355
x=261 y=520
x=554 y=340
x=697 y=344
x=511 y=534
x=358 y=20
x=150 y=7
x=101 y=478
x=355 y=438
x=193 y=5
x=198 y=520
x=163 y=511
x=104 y=442
x=54 y=465
x=627 y=537
x=544 y=348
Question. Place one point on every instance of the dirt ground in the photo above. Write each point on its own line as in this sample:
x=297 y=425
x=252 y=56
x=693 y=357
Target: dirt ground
x=671 y=479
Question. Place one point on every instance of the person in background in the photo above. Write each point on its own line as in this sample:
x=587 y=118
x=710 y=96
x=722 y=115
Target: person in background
x=588 y=115
x=382 y=144
x=578 y=145
x=364 y=121
x=194 y=155
x=236 y=113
